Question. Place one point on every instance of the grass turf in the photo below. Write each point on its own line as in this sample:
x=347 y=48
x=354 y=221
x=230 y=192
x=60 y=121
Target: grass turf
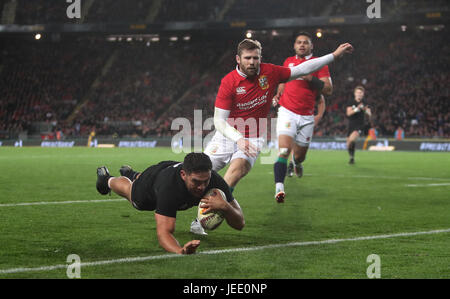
x=383 y=193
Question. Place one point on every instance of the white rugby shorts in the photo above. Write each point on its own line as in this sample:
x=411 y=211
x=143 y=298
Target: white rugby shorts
x=222 y=150
x=299 y=127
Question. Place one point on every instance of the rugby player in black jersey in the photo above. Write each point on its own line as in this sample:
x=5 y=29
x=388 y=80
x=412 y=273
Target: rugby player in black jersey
x=168 y=187
x=356 y=109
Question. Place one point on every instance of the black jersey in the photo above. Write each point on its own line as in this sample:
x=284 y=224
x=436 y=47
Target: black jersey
x=161 y=188
x=356 y=119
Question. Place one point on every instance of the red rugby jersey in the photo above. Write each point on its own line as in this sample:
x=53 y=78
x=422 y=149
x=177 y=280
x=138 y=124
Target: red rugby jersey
x=298 y=96
x=250 y=98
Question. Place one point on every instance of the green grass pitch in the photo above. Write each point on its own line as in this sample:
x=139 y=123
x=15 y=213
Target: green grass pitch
x=384 y=193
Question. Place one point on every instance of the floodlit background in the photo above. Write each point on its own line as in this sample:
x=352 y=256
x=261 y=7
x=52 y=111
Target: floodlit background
x=117 y=73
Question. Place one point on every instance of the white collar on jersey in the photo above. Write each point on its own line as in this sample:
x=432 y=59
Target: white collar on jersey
x=306 y=57
x=244 y=75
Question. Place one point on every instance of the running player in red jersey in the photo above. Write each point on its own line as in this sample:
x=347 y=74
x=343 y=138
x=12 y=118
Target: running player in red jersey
x=243 y=100
x=295 y=122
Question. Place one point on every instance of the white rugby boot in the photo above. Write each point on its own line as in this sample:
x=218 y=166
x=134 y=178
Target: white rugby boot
x=196 y=228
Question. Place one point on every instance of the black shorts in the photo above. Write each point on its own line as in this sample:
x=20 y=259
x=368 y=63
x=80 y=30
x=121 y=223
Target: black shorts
x=140 y=198
x=355 y=127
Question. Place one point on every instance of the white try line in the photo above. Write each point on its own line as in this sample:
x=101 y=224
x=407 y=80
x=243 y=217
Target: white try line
x=59 y=202
x=221 y=251
x=428 y=185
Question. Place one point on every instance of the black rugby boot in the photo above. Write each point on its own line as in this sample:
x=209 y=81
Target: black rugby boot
x=102 y=180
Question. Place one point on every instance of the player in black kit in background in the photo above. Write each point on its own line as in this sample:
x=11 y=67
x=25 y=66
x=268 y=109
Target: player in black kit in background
x=169 y=187
x=356 y=109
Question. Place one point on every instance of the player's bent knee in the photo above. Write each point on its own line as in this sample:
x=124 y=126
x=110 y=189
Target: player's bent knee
x=299 y=159
x=122 y=186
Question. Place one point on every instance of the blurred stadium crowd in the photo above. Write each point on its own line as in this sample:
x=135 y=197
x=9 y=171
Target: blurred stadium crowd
x=115 y=11
x=137 y=88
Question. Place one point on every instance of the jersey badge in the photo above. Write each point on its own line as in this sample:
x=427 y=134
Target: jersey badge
x=263 y=82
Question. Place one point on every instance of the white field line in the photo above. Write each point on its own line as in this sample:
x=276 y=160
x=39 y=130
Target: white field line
x=380 y=177
x=428 y=185
x=374 y=177
x=221 y=251
x=59 y=202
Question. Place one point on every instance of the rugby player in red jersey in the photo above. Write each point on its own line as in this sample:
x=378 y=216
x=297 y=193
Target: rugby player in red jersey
x=244 y=98
x=295 y=121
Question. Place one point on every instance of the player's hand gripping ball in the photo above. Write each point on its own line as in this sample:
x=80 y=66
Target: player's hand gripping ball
x=212 y=219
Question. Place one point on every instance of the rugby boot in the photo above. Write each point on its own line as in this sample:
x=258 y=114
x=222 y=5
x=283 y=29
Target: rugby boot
x=290 y=169
x=127 y=171
x=102 y=180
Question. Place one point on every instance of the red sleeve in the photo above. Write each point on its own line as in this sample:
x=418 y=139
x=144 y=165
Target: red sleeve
x=283 y=73
x=224 y=99
x=323 y=72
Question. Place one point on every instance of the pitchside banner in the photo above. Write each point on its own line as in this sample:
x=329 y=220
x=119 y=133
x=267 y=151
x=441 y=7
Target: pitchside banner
x=317 y=144
x=57 y=143
x=435 y=147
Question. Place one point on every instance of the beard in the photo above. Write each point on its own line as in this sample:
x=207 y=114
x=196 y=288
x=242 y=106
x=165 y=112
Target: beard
x=250 y=71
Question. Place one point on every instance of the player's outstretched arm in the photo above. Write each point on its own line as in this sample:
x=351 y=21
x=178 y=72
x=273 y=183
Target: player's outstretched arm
x=343 y=49
x=313 y=65
x=234 y=215
x=231 y=210
x=165 y=226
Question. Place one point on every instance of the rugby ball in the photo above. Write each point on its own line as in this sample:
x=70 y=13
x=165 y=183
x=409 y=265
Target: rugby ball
x=211 y=220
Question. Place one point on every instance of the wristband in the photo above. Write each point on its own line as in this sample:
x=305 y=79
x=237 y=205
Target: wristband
x=317 y=84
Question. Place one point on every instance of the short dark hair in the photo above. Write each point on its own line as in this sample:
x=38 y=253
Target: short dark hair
x=248 y=44
x=302 y=33
x=196 y=162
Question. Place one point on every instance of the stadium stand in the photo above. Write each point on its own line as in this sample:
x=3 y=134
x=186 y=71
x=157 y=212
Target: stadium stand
x=110 y=11
x=135 y=11
x=138 y=88
x=40 y=12
x=43 y=82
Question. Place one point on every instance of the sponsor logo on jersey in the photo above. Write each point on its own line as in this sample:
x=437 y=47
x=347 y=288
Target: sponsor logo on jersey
x=253 y=103
x=240 y=90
